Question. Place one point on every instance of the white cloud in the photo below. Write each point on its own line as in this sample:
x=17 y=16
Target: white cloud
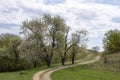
x=79 y=14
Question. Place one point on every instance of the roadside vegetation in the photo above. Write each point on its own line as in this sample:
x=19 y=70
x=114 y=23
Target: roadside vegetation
x=20 y=75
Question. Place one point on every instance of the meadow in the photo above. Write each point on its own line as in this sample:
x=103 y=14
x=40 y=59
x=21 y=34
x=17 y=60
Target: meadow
x=84 y=73
x=20 y=75
x=108 y=68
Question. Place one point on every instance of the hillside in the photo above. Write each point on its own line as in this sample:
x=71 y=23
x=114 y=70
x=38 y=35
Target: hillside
x=109 y=62
x=108 y=68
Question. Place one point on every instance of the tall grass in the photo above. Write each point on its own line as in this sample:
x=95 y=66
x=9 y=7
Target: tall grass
x=108 y=62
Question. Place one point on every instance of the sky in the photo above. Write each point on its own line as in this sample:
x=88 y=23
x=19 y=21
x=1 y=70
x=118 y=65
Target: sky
x=95 y=16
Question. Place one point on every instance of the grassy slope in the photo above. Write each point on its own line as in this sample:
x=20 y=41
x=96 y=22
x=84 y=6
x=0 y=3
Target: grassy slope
x=95 y=71
x=84 y=73
x=109 y=62
x=26 y=74
x=20 y=75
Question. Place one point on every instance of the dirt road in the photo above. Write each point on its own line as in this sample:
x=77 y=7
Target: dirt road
x=45 y=74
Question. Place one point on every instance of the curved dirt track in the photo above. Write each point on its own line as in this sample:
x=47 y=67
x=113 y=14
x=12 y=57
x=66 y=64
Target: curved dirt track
x=45 y=74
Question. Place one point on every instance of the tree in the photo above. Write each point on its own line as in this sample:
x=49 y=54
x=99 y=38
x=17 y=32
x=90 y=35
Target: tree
x=10 y=57
x=63 y=45
x=96 y=49
x=13 y=47
x=111 y=41
x=44 y=32
x=9 y=44
x=29 y=52
x=75 y=42
x=5 y=39
x=79 y=39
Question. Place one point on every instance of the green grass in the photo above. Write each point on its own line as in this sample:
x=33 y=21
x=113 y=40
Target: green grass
x=20 y=75
x=24 y=74
x=84 y=73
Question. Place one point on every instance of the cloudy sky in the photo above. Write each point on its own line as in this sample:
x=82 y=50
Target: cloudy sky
x=96 y=16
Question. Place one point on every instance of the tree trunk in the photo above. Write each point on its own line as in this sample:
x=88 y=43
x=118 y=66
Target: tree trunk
x=73 y=54
x=35 y=65
x=48 y=58
x=63 y=61
x=73 y=58
x=48 y=63
x=16 y=56
x=105 y=60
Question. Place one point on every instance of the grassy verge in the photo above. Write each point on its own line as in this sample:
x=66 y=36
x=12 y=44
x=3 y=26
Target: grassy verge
x=20 y=75
x=84 y=73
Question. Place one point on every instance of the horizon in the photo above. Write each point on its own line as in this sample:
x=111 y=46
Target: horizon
x=97 y=19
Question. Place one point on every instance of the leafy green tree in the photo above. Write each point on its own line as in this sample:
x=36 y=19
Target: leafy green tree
x=10 y=56
x=29 y=52
x=6 y=41
x=95 y=49
x=111 y=41
x=13 y=48
x=79 y=39
x=63 y=46
x=44 y=32
x=74 y=45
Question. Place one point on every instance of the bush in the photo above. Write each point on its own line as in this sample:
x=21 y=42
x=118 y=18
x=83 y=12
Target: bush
x=7 y=64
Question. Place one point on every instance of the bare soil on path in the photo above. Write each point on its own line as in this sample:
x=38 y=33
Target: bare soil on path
x=45 y=74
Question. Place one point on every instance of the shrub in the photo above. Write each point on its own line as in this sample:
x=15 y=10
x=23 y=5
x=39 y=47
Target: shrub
x=7 y=64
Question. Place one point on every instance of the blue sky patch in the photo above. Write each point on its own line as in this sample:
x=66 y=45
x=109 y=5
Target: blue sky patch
x=5 y=25
x=9 y=9
x=116 y=19
x=110 y=2
x=53 y=1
